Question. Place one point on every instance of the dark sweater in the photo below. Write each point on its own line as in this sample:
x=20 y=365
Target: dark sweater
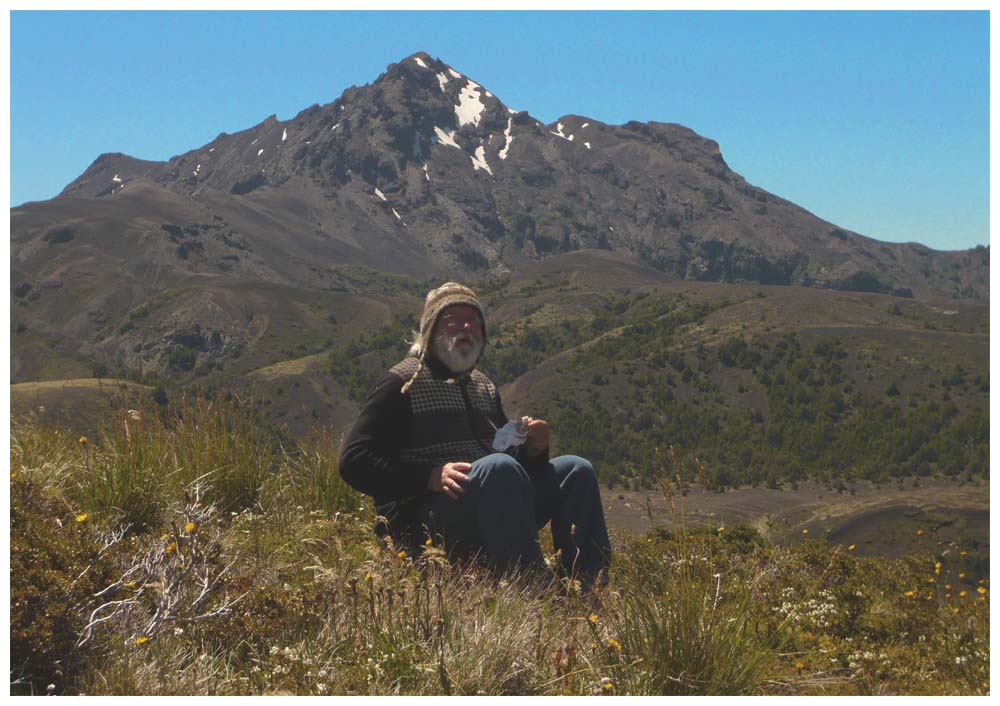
x=399 y=438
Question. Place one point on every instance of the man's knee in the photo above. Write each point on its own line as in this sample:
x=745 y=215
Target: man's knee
x=499 y=470
x=576 y=469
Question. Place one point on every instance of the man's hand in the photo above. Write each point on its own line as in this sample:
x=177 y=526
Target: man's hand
x=539 y=436
x=449 y=478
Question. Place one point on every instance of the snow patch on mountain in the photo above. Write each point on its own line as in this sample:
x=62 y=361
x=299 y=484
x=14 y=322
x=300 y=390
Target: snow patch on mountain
x=117 y=179
x=558 y=132
x=379 y=193
x=454 y=73
x=284 y=134
x=479 y=161
x=442 y=80
x=260 y=151
x=510 y=138
x=445 y=137
x=470 y=106
x=420 y=62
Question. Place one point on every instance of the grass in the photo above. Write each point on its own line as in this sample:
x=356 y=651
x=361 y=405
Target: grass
x=232 y=564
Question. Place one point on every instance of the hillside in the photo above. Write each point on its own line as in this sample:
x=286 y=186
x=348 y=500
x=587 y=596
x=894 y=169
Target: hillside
x=424 y=173
x=640 y=293
x=136 y=572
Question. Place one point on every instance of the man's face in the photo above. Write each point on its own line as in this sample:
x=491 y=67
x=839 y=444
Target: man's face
x=457 y=338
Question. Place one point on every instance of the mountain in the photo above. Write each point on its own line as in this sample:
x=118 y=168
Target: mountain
x=427 y=171
x=287 y=261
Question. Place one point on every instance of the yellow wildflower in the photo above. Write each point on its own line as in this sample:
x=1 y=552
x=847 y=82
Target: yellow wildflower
x=189 y=527
x=607 y=684
x=961 y=575
x=963 y=553
x=83 y=441
x=851 y=548
x=955 y=609
x=937 y=567
x=401 y=554
x=592 y=618
x=164 y=537
x=722 y=529
x=910 y=594
x=805 y=531
x=81 y=517
x=800 y=666
x=930 y=580
x=962 y=594
x=614 y=644
x=947 y=595
x=429 y=542
x=981 y=590
x=130 y=584
x=982 y=582
x=171 y=547
x=948 y=586
x=920 y=533
x=142 y=639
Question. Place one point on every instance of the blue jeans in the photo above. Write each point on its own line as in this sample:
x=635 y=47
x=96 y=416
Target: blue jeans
x=503 y=508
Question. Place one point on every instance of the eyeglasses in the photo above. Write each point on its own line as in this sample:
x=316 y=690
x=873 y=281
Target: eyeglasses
x=457 y=323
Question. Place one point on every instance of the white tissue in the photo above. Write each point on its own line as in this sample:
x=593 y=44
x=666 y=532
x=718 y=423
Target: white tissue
x=509 y=435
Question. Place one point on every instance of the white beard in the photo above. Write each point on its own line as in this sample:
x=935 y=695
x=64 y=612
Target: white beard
x=457 y=358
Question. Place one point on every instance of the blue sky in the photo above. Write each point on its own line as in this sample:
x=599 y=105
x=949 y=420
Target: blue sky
x=875 y=121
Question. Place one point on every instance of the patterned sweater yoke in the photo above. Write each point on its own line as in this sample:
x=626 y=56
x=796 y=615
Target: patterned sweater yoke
x=451 y=420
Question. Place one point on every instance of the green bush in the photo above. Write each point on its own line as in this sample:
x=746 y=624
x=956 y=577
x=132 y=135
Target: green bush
x=55 y=568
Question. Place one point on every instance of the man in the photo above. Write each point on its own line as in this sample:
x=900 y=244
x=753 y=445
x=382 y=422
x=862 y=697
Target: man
x=423 y=448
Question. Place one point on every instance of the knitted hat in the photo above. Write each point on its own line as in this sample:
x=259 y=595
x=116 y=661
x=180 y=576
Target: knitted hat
x=448 y=294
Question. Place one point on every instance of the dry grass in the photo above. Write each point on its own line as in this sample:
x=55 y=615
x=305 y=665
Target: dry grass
x=250 y=568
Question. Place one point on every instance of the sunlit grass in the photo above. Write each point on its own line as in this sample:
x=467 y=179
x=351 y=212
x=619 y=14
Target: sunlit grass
x=248 y=567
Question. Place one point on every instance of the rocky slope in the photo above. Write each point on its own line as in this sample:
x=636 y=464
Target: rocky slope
x=279 y=240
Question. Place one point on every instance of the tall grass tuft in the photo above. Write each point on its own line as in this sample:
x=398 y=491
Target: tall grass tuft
x=310 y=476
x=122 y=477
x=222 y=442
x=686 y=630
x=683 y=622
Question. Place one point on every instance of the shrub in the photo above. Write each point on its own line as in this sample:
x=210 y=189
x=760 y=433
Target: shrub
x=181 y=358
x=56 y=565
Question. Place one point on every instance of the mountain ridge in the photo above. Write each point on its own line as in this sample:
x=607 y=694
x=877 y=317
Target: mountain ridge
x=291 y=236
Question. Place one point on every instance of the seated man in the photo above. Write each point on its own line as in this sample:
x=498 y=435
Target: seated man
x=423 y=448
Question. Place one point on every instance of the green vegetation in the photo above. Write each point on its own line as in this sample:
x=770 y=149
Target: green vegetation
x=261 y=575
x=632 y=383
x=359 y=364
x=816 y=424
